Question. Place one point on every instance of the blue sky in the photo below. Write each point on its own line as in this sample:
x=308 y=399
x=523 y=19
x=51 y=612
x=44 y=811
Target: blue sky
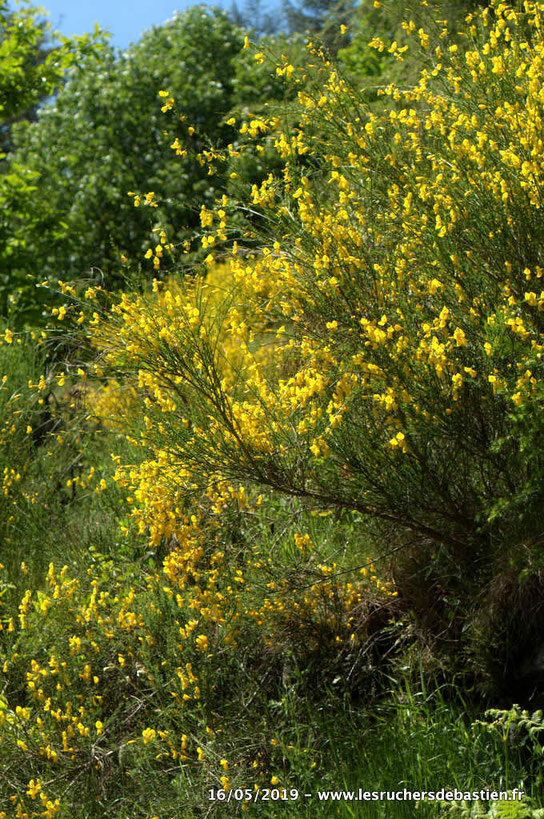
x=126 y=19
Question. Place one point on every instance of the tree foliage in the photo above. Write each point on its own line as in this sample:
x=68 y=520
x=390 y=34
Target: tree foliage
x=323 y=19
x=253 y=16
x=33 y=61
x=105 y=135
x=33 y=65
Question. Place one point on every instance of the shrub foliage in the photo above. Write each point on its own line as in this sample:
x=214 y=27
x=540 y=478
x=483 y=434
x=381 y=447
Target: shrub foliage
x=329 y=441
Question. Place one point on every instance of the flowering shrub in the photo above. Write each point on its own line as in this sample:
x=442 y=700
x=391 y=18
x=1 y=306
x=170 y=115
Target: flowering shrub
x=366 y=381
x=131 y=671
x=24 y=419
x=382 y=352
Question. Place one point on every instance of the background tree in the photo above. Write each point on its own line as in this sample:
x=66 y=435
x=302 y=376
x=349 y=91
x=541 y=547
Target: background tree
x=33 y=64
x=321 y=18
x=33 y=60
x=105 y=135
x=254 y=16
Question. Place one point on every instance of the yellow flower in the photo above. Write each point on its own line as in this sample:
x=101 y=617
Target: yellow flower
x=459 y=337
x=34 y=786
x=148 y=735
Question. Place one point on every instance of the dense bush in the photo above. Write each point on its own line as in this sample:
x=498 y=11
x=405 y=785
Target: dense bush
x=383 y=353
x=327 y=463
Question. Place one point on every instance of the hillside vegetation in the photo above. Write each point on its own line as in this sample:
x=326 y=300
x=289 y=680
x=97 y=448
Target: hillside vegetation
x=271 y=425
